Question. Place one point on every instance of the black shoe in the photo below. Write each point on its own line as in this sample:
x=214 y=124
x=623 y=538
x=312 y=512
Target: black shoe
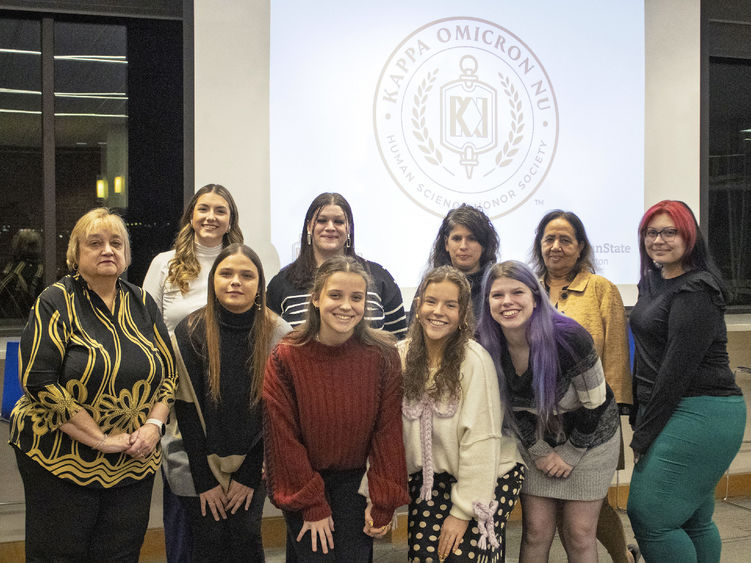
x=634 y=551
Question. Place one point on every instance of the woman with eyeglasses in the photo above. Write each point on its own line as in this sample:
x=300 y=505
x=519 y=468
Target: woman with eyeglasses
x=690 y=415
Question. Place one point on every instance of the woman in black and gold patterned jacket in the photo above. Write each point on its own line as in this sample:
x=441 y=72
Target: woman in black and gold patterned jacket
x=99 y=378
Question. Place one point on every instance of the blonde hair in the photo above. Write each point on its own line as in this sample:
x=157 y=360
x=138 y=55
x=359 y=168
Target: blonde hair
x=184 y=267
x=99 y=217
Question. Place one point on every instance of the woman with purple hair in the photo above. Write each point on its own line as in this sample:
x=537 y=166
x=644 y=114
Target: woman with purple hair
x=565 y=413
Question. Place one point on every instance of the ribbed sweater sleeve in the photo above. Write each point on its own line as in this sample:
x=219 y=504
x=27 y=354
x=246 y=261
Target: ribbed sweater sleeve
x=387 y=476
x=293 y=484
x=332 y=408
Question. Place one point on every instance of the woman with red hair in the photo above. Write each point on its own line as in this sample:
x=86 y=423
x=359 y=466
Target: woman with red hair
x=690 y=414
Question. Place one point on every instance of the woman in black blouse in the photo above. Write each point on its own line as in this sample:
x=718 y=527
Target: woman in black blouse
x=690 y=415
x=99 y=379
x=223 y=347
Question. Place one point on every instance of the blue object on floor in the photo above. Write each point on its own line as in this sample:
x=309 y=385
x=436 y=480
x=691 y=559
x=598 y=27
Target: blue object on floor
x=12 y=390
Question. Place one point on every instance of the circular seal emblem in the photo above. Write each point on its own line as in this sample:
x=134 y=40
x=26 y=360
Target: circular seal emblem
x=464 y=112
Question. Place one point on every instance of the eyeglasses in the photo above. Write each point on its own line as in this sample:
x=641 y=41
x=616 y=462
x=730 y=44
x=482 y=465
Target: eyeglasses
x=667 y=234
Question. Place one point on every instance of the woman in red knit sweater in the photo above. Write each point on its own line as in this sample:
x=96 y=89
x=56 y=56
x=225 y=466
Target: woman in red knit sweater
x=332 y=397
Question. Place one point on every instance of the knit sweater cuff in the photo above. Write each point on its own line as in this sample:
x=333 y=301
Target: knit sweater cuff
x=316 y=512
x=540 y=449
x=381 y=516
x=457 y=512
x=570 y=453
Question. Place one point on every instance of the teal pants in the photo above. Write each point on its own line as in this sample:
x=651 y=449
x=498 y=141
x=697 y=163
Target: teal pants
x=671 y=500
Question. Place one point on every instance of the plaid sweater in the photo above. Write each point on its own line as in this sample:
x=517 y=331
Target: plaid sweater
x=585 y=405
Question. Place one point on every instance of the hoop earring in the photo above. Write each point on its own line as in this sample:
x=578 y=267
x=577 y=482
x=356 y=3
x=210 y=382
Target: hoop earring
x=310 y=239
x=257 y=301
x=349 y=241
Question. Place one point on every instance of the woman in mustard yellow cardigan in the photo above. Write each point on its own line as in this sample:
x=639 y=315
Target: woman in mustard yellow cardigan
x=564 y=262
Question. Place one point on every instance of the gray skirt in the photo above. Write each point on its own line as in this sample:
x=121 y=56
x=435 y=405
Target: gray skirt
x=589 y=480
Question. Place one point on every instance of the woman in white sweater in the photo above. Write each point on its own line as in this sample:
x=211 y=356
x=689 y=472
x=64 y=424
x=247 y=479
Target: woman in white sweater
x=178 y=282
x=465 y=471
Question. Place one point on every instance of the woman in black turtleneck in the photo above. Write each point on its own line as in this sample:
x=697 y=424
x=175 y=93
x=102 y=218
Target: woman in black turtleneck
x=224 y=347
x=468 y=241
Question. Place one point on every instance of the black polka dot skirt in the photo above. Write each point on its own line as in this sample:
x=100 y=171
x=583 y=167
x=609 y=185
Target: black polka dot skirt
x=426 y=518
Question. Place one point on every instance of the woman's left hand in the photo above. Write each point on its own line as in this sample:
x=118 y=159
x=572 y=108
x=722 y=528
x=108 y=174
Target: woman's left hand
x=237 y=494
x=143 y=441
x=369 y=529
x=452 y=533
x=553 y=466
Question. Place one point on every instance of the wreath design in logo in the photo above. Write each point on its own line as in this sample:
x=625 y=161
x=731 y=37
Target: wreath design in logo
x=515 y=136
x=420 y=130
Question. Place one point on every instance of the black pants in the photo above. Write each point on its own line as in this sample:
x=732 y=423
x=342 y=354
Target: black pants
x=351 y=544
x=238 y=538
x=67 y=522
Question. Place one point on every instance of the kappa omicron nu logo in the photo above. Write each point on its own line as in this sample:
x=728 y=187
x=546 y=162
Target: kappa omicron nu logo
x=465 y=112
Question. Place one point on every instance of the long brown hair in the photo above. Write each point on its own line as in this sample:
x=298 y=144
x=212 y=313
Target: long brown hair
x=184 y=267
x=259 y=335
x=447 y=381
x=363 y=332
x=301 y=272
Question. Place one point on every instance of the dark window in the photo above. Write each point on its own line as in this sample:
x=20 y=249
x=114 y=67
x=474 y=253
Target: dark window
x=117 y=87
x=730 y=172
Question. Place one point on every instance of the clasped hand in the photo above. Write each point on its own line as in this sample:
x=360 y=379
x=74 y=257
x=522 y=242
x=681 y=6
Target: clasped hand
x=143 y=441
x=370 y=529
x=554 y=466
x=220 y=503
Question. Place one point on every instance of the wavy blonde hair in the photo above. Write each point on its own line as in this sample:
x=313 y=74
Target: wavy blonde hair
x=184 y=267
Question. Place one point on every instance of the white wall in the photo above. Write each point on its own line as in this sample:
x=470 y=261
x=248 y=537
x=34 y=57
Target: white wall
x=672 y=121
x=231 y=111
x=232 y=125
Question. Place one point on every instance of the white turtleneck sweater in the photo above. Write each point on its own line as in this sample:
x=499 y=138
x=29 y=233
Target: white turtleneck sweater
x=175 y=306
